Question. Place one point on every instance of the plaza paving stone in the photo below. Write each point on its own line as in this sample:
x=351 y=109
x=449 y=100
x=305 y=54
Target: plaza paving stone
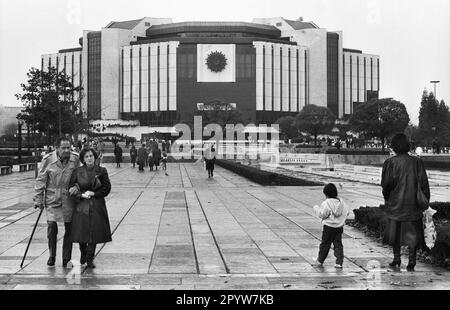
x=185 y=231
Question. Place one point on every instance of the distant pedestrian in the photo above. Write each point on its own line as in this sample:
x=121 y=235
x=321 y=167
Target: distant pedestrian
x=150 y=159
x=164 y=161
x=333 y=212
x=133 y=155
x=99 y=157
x=142 y=157
x=210 y=159
x=156 y=157
x=118 y=155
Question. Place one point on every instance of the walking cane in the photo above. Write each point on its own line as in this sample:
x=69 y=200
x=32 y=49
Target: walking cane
x=31 y=237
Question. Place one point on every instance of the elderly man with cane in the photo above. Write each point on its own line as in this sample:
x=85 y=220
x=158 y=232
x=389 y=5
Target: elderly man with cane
x=52 y=184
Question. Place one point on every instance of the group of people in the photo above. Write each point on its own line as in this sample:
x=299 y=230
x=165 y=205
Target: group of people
x=150 y=156
x=404 y=180
x=74 y=194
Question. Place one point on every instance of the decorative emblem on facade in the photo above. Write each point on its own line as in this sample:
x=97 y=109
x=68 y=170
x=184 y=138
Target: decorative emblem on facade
x=216 y=61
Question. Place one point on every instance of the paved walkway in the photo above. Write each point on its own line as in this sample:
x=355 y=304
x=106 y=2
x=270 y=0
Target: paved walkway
x=185 y=231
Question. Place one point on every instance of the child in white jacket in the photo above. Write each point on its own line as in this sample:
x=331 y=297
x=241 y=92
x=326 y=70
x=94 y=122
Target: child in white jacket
x=333 y=212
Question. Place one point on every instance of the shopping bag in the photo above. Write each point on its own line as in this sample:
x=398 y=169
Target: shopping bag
x=428 y=227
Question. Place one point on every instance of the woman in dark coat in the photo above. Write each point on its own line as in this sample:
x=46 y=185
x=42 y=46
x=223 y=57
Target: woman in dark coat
x=89 y=185
x=402 y=175
x=118 y=154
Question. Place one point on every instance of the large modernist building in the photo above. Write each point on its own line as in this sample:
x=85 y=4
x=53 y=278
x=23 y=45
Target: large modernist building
x=159 y=72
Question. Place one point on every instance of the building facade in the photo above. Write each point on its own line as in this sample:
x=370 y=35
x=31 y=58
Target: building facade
x=160 y=73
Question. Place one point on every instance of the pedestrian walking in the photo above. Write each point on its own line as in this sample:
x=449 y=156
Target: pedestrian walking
x=118 y=155
x=133 y=155
x=156 y=157
x=404 y=180
x=52 y=184
x=142 y=157
x=210 y=159
x=164 y=161
x=150 y=159
x=333 y=212
x=89 y=185
x=99 y=153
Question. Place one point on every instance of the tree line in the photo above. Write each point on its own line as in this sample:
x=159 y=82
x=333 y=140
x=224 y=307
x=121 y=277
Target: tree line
x=378 y=118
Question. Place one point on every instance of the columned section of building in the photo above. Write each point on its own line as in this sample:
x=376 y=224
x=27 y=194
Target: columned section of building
x=360 y=76
x=69 y=62
x=280 y=79
x=149 y=78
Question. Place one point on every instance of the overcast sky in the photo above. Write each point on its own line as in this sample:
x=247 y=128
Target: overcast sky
x=412 y=37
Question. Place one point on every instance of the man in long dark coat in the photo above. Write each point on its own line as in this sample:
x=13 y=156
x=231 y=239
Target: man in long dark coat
x=118 y=154
x=142 y=157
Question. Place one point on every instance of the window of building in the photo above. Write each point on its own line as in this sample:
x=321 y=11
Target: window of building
x=186 y=65
x=279 y=24
x=147 y=24
x=245 y=66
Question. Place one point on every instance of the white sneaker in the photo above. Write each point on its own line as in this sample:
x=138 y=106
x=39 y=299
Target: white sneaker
x=316 y=263
x=338 y=266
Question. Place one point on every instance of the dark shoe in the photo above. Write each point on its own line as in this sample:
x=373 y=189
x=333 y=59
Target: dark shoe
x=83 y=259
x=90 y=264
x=65 y=261
x=395 y=263
x=410 y=266
x=51 y=261
x=412 y=260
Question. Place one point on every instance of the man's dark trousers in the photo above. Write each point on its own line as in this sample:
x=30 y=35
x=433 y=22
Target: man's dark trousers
x=52 y=234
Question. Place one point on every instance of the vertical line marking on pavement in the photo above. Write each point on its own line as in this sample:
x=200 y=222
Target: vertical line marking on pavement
x=212 y=234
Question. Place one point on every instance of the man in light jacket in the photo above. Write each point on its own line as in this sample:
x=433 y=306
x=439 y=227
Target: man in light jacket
x=52 y=186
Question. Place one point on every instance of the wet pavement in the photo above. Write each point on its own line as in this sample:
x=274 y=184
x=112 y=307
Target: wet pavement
x=185 y=231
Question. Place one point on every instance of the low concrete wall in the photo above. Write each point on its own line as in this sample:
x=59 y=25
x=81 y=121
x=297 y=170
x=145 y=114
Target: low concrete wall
x=327 y=160
x=357 y=159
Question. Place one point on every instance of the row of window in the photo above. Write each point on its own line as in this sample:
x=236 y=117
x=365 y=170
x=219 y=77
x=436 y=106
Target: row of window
x=283 y=88
x=148 y=79
x=94 y=77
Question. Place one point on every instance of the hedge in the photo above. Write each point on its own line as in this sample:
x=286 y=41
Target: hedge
x=356 y=152
x=440 y=165
x=264 y=177
x=7 y=152
x=8 y=161
x=374 y=219
x=306 y=146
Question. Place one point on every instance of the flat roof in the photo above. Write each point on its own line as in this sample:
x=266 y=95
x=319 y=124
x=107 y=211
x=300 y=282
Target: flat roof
x=183 y=27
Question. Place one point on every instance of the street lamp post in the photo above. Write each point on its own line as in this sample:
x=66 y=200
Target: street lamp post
x=34 y=142
x=28 y=137
x=435 y=82
x=19 y=139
